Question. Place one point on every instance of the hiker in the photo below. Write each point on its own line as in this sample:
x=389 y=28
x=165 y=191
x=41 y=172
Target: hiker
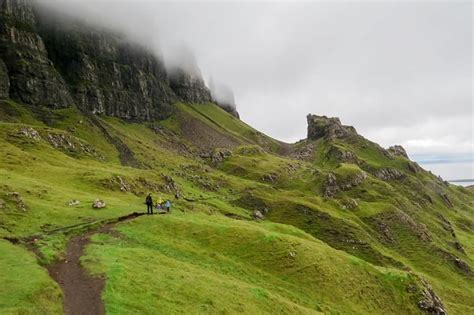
x=168 y=205
x=149 y=204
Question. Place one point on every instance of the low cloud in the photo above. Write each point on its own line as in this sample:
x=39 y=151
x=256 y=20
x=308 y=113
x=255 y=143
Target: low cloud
x=400 y=72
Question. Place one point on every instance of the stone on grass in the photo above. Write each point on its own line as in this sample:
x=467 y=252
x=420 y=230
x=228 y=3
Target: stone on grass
x=98 y=204
x=73 y=202
x=258 y=215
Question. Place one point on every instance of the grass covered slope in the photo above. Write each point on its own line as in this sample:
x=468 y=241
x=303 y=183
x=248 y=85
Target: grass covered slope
x=197 y=263
x=344 y=217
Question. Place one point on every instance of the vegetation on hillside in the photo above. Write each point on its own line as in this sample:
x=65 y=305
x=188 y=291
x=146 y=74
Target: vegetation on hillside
x=349 y=228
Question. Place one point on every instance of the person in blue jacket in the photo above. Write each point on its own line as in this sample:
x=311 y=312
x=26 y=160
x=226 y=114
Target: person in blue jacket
x=168 y=206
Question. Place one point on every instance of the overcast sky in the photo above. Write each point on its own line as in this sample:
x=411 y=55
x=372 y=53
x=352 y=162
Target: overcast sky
x=400 y=72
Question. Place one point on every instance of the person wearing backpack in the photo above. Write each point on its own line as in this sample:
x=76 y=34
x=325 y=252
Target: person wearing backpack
x=149 y=204
x=167 y=205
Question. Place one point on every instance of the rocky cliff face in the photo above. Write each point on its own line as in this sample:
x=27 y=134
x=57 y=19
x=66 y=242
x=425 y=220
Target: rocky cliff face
x=33 y=78
x=325 y=127
x=189 y=87
x=52 y=61
x=106 y=74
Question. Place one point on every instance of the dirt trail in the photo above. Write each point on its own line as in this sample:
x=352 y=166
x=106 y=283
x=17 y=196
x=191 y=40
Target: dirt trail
x=82 y=292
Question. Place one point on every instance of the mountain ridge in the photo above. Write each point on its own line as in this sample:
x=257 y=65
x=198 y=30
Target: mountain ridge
x=331 y=224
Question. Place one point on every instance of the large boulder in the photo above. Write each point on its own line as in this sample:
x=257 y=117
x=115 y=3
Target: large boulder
x=99 y=204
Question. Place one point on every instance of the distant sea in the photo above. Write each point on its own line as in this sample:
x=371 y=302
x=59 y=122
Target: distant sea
x=462 y=182
x=457 y=173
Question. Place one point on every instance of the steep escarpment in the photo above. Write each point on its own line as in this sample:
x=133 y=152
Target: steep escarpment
x=32 y=76
x=106 y=74
x=58 y=62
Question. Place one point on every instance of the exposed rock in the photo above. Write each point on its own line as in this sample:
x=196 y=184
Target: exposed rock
x=333 y=185
x=190 y=88
x=329 y=128
x=388 y=174
x=217 y=156
x=4 y=81
x=384 y=230
x=446 y=199
x=20 y=10
x=29 y=132
x=171 y=185
x=118 y=182
x=72 y=145
x=304 y=150
x=105 y=73
x=33 y=78
x=343 y=156
x=349 y=203
x=397 y=150
x=446 y=224
x=16 y=198
x=73 y=202
x=414 y=167
x=459 y=247
x=461 y=264
x=186 y=79
x=430 y=302
x=223 y=96
x=270 y=178
x=258 y=215
x=99 y=204
x=59 y=62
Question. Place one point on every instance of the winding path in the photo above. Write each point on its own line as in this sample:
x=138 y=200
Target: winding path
x=82 y=292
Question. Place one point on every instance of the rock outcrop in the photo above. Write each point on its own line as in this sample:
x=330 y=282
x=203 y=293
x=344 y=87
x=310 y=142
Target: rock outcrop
x=397 y=150
x=329 y=128
x=334 y=184
x=429 y=301
x=387 y=174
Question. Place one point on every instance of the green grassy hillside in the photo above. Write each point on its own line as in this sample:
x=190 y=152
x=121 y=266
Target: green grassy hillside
x=344 y=233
